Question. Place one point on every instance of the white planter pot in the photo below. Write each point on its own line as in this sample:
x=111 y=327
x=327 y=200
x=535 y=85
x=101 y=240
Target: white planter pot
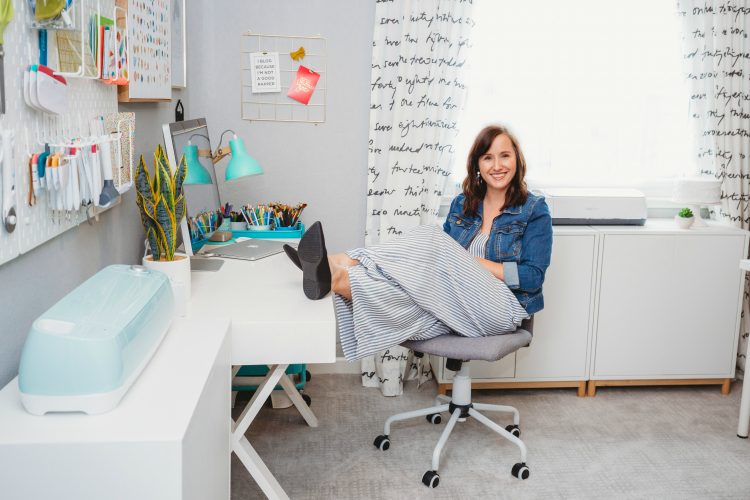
x=178 y=272
x=682 y=222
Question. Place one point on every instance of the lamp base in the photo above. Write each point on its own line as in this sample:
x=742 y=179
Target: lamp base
x=220 y=236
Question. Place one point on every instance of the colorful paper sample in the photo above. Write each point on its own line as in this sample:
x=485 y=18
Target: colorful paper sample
x=149 y=49
x=303 y=85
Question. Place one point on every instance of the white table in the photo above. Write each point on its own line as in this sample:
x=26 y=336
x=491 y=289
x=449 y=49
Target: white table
x=744 y=423
x=166 y=440
x=273 y=324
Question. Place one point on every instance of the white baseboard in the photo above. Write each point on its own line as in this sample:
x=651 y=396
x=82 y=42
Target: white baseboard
x=340 y=366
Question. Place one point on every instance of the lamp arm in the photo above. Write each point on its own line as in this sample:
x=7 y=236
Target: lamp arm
x=221 y=152
x=206 y=153
x=221 y=137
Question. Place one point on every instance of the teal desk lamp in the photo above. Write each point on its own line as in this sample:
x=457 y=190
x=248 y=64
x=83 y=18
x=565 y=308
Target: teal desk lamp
x=241 y=164
x=196 y=173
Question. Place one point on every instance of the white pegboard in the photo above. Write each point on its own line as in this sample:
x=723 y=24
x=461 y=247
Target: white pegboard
x=86 y=100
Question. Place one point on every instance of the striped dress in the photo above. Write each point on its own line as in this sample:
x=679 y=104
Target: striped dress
x=417 y=286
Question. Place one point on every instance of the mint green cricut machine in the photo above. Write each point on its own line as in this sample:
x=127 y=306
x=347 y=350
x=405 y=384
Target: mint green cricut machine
x=85 y=352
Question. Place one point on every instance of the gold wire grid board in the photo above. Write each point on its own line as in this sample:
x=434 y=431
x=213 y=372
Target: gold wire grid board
x=277 y=106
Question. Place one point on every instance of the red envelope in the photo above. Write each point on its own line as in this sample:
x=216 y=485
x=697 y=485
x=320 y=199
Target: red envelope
x=303 y=85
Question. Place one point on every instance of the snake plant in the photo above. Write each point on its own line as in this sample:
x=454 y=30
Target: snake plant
x=162 y=203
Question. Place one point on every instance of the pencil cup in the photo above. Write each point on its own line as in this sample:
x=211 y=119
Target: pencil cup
x=239 y=226
x=266 y=227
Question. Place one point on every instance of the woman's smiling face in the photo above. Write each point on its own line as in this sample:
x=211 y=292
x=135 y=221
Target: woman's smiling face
x=497 y=165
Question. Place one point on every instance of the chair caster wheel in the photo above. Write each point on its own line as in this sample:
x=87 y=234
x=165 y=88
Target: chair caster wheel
x=513 y=429
x=431 y=479
x=382 y=442
x=307 y=399
x=520 y=470
x=434 y=418
x=308 y=376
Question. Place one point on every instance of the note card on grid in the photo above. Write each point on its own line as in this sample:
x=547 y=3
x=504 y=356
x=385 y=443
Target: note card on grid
x=264 y=67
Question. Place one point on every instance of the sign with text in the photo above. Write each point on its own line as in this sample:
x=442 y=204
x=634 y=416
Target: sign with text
x=264 y=67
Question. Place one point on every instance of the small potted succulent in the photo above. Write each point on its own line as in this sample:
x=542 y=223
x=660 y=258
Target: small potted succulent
x=161 y=203
x=684 y=218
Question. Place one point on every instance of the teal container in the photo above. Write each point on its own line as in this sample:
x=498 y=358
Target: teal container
x=261 y=371
x=278 y=233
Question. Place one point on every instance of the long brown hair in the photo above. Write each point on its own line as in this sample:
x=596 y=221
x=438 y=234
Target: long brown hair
x=475 y=189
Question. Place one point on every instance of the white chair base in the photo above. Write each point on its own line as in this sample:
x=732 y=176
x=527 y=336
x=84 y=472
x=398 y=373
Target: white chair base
x=461 y=407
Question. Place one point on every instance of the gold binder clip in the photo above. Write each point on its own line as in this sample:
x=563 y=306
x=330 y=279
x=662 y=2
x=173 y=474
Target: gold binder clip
x=298 y=54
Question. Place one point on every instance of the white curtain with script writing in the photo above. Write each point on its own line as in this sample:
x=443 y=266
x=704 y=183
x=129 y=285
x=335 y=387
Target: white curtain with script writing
x=716 y=42
x=417 y=92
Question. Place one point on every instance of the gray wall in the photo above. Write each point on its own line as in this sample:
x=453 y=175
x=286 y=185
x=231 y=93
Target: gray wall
x=324 y=165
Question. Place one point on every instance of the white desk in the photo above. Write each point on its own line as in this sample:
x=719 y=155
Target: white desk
x=273 y=324
x=167 y=439
x=744 y=423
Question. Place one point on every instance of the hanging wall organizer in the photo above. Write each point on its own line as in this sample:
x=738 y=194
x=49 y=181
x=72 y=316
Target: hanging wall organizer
x=38 y=221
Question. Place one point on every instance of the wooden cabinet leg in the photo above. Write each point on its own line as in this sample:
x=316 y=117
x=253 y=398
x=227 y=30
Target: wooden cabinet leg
x=726 y=386
x=592 y=388
x=582 y=389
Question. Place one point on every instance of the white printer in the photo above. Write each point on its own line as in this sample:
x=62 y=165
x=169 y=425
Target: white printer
x=600 y=206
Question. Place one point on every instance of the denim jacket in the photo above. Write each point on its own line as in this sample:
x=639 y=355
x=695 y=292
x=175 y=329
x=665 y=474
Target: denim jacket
x=520 y=238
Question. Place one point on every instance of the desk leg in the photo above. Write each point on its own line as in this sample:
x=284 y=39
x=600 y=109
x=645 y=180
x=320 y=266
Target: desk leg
x=296 y=398
x=744 y=423
x=241 y=446
x=258 y=470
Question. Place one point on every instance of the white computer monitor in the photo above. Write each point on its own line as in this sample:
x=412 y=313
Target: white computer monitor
x=198 y=197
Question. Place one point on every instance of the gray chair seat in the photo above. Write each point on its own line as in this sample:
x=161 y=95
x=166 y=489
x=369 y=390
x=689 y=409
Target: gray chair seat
x=470 y=348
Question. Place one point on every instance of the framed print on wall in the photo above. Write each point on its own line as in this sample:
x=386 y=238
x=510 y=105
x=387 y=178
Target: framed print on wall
x=179 y=45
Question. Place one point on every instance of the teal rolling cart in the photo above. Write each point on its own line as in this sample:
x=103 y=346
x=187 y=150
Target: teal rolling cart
x=300 y=375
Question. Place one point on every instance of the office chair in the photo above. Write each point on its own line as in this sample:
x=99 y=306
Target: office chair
x=459 y=351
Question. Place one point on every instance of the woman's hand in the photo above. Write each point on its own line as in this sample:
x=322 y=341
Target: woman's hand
x=496 y=268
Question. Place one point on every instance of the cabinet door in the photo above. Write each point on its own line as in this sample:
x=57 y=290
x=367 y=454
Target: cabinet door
x=561 y=330
x=667 y=306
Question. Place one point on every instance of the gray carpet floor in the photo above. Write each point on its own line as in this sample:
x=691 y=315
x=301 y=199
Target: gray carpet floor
x=635 y=442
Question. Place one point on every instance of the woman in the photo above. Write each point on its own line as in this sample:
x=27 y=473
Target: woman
x=425 y=283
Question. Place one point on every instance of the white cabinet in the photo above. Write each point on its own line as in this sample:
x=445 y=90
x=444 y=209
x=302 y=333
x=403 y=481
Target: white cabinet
x=558 y=353
x=669 y=304
x=630 y=305
x=562 y=329
x=169 y=438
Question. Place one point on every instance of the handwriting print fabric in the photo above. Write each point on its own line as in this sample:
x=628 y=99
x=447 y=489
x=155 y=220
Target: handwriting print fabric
x=717 y=65
x=419 y=55
x=418 y=87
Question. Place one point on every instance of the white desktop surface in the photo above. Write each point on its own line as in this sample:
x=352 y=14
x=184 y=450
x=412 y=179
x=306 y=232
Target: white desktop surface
x=136 y=450
x=272 y=320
